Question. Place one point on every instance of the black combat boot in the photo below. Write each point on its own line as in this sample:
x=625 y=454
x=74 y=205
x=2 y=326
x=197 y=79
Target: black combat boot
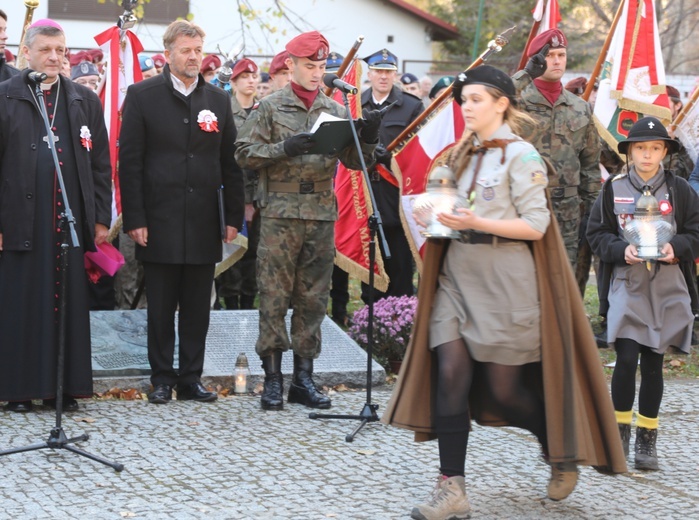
x=272 y=394
x=303 y=390
x=646 y=455
x=625 y=433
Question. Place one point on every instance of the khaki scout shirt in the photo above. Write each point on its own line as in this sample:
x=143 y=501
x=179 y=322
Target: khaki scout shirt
x=566 y=136
x=511 y=190
x=260 y=146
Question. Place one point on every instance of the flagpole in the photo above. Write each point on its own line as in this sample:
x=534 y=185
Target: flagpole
x=685 y=110
x=603 y=54
x=532 y=34
x=494 y=46
x=346 y=62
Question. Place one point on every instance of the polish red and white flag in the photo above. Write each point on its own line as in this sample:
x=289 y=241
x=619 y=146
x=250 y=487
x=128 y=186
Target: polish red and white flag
x=413 y=162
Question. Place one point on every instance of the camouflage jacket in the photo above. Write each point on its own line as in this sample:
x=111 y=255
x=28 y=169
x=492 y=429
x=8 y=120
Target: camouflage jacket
x=251 y=177
x=566 y=136
x=260 y=146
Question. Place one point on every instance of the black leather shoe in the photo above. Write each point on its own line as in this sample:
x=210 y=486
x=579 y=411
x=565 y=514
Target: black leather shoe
x=272 y=393
x=160 y=395
x=69 y=404
x=195 y=392
x=303 y=390
x=18 y=406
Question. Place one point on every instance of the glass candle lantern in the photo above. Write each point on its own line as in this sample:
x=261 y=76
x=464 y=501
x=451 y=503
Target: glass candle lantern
x=441 y=196
x=648 y=231
x=241 y=375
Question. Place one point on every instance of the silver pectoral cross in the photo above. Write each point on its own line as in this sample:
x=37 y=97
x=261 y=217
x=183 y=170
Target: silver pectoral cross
x=46 y=140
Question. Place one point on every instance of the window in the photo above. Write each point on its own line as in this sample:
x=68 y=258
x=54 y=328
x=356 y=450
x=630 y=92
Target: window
x=155 y=11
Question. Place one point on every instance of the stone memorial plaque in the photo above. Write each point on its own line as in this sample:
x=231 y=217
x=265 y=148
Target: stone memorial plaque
x=119 y=349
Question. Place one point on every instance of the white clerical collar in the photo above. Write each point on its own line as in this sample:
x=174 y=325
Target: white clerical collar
x=49 y=86
x=381 y=101
x=181 y=87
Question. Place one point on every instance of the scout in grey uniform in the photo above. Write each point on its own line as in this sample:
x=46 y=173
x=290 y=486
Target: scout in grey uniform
x=486 y=316
x=298 y=211
x=648 y=309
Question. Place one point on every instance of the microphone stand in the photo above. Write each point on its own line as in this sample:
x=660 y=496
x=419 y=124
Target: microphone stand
x=368 y=413
x=57 y=438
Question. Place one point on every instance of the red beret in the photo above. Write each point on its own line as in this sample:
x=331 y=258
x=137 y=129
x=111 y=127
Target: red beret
x=244 y=65
x=576 y=86
x=159 y=60
x=96 y=55
x=554 y=37
x=9 y=56
x=279 y=62
x=311 y=45
x=78 y=57
x=210 y=62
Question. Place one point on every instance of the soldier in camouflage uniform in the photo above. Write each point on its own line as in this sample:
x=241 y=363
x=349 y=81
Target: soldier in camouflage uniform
x=298 y=210
x=565 y=133
x=238 y=284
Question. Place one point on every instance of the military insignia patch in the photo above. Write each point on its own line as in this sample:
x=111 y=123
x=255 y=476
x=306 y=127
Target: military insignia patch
x=488 y=194
x=539 y=178
x=555 y=42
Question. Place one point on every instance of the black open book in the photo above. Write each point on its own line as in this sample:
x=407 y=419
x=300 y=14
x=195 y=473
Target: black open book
x=330 y=135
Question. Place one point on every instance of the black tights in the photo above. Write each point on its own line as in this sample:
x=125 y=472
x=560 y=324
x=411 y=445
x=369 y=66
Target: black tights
x=624 y=378
x=517 y=404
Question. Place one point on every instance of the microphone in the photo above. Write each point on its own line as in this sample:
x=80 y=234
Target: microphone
x=226 y=70
x=332 y=81
x=31 y=76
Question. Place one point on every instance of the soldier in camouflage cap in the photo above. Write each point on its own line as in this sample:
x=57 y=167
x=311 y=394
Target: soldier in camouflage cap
x=298 y=211
x=565 y=133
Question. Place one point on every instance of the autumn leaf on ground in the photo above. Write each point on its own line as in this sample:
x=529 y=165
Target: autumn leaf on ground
x=193 y=423
x=127 y=514
x=366 y=452
x=131 y=394
x=89 y=420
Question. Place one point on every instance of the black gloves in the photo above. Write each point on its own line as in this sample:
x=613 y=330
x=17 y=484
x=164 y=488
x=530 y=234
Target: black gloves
x=372 y=123
x=298 y=144
x=536 y=65
x=383 y=156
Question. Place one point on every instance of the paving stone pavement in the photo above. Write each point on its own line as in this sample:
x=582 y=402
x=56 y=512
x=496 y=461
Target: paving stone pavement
x=230 y=460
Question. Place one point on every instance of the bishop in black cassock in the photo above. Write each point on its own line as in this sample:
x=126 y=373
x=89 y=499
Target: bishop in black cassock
x=30 y=208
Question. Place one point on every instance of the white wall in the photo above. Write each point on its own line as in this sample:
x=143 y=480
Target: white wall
x=340 y=21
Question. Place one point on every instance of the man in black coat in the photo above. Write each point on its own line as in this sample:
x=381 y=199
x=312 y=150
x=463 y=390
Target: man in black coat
x=176 y=152
x=404 y=109
x=31 y=204
x=6 y=71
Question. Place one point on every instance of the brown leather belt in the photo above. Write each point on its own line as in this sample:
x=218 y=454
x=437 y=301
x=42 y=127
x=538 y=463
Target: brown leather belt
x=562 y=192
x=303 y=187
x=485 y=238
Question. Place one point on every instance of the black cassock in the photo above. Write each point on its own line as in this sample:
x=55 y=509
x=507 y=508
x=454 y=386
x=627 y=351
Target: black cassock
x=29 y=283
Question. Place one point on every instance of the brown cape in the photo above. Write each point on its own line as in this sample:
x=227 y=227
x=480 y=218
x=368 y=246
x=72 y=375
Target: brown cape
x=580 y=419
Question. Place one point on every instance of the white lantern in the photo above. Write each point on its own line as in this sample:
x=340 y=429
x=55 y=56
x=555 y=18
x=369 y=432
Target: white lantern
x=241 y=375
x=441 y=196
x=648 y=231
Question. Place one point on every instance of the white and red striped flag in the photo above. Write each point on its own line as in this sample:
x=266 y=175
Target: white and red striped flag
x=686 y=126
x=411 y=164
x=548 y=14
x=354 y=206
x=120 y=49
x=632 y=81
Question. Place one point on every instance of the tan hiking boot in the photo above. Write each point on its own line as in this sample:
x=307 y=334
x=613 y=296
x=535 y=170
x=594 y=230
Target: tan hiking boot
x=564 y=476
x=448 y=503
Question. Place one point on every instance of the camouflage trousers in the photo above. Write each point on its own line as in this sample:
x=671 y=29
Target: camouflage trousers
x=569 y=232
x=294 y=268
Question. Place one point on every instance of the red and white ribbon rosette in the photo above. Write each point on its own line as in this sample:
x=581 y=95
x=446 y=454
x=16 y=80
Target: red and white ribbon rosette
x=665 y=207
x=86 y=137
x=207 y=121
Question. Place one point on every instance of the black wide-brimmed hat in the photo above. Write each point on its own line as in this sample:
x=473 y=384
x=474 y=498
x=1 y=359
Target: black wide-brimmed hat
x=484 y=75
x=648 y=129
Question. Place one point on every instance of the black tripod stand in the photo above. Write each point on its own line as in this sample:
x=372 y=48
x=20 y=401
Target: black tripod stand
x=57 y=438
x=368 y=413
